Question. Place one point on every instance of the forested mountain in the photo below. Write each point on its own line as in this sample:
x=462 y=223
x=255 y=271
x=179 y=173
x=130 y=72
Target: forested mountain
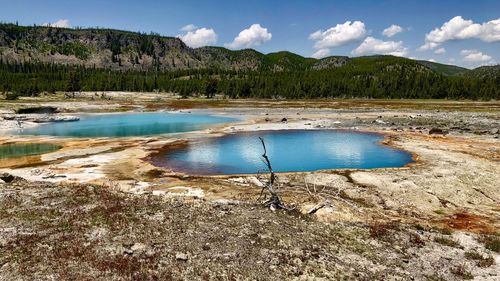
x=485 y=71
x=36 y=59
x=445 y=69
x=123 y=50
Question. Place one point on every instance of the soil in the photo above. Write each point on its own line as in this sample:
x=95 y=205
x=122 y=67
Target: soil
x=82 y=232
x=99 y=209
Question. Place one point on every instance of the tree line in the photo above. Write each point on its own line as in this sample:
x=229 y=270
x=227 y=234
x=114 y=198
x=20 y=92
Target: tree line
x=395 y=82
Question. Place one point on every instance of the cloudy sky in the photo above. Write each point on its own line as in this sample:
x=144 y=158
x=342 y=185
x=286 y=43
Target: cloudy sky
x=465 y=33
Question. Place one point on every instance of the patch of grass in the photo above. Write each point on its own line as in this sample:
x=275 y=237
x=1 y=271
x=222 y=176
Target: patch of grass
x=434 y=277
x=360 y=201
x=481 y=260
x=445 y=230
x=381 y=229
x=447 y=242
x=12 y=96
x=461 y=271
x=440 y=212
x=420 y=227
x=415 y=239
x=491 y=242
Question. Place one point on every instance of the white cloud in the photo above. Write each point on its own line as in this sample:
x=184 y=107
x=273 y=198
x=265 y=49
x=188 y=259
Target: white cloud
x=199 y=37
x=475 y=56
x=440 y=51
x=189 y=27
x=392 y=30
x=491 y=31
x=373 y=46
x=60 y=23
x=340 y=35
x=255 y=35
x=321 y=53
x=459 y=29
x=422 y=59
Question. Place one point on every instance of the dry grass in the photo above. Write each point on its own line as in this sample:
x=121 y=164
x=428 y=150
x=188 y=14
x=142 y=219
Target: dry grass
x=447 y=242
x=462 y=272
x=491 y=242
x=481 y=260
x=86 y=232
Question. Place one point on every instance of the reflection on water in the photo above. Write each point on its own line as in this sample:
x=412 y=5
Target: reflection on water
x=27 y=149
x=124 y=125
x=288 y=150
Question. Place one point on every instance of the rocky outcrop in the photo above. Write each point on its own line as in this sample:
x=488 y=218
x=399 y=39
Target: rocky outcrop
x=330 y=62
x=123 y=50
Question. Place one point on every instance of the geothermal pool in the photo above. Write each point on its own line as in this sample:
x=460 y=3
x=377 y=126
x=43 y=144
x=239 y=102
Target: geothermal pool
x=288 y=150
x=128 y=124
x=26 y=149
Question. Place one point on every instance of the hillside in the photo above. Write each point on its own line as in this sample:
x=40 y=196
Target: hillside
x=485 y=71
x=445 y=69
x=116 y=49
x=125 y=50
x=45 y=59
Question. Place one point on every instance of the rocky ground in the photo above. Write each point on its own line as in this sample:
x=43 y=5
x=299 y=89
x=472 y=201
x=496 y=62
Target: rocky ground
x=83 y=232
x=98 y=209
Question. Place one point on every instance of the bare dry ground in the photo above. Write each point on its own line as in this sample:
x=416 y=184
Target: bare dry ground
x=98 y=209
x=83 y=232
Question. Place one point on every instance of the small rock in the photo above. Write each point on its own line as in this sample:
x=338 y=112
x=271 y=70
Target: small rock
x=494 y=131
x=436 y=131
x=181 y=256
x=6 y=177
x=255 y=181
x=138 y=247
x=284 y=120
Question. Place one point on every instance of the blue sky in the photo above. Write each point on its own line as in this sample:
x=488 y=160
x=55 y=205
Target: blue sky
x=468 y=32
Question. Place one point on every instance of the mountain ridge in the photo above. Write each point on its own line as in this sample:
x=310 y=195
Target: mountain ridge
x=128 y=50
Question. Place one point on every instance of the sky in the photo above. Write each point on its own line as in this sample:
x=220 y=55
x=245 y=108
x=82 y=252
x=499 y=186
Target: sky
x=460 y=32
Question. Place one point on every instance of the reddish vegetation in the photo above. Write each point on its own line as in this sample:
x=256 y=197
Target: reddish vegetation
x=469 y=222
x=322 y=103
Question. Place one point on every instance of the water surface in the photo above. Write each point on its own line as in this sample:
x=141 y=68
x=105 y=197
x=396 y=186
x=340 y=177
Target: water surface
x=26 y=149
x=289 y=151
x=128 y=124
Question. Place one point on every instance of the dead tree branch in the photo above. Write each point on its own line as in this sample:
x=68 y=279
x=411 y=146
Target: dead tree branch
x=275 y=201
x=325 y=196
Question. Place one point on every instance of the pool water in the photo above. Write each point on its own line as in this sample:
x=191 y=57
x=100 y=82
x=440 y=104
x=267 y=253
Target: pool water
x=289 y=151
x=26 y=149
x=128 y=124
